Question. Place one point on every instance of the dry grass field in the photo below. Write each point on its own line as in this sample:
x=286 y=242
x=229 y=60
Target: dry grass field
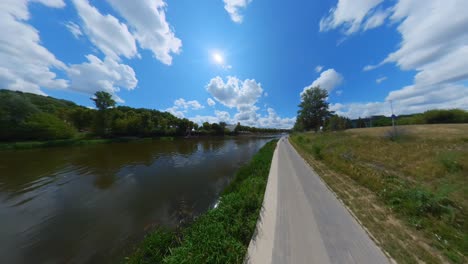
x=409 y=189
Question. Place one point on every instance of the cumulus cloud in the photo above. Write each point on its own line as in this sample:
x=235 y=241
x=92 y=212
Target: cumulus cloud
x=96 y=75
x=223 y=116
x=187 y=105
x=234 y=92
x=407 y=101
x=74 y=29
x=147 y=20
x=318 y=68
x=434 y=44
x=327 y=80
x=274 y=121
x=182 y=106
x=210 y=102
x=352 y=16
x=233 y=7
x=26 y=65
x=243 y=95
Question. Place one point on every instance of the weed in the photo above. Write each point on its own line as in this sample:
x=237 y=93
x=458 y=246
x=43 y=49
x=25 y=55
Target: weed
x=317 y=152
x=450 y=162
x=155 y=247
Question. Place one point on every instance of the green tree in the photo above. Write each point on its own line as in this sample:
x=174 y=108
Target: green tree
x=313 y=109
x=82 y=118
x=336 y=122
x=103 y=100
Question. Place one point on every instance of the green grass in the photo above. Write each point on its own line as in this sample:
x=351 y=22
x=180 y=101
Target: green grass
x=221 y=235
x=420 y=179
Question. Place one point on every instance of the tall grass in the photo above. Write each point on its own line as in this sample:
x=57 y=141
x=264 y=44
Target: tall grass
x=221 y=235
x=421 y=178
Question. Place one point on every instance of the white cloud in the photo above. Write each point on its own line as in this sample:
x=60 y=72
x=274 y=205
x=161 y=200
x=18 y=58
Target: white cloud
x=339 y=92
x=318 y=68
x=381 y=79
x=233 y=7
x=187 y=105
x=182 y=106
x=434 y=44
x=96 y=75
x=234 y=92
x=199 y=119
x=147 y=20
x=243 y=95
x=210 y=102
x=351 y=14
x=223 y=116
x=74 y=29
x=26 y=65
x=106 y=32
x=327 y=80
x=407 y=101
x=376 y=19
x=272 y=120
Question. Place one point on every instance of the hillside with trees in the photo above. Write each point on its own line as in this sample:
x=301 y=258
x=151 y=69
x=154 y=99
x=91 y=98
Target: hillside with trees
x=25 y=116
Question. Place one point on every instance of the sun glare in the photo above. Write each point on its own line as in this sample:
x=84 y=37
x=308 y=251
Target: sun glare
x=218 y=58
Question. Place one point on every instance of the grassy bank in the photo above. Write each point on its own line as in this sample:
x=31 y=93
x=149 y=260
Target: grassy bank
x=221 y=235
x=410 y=190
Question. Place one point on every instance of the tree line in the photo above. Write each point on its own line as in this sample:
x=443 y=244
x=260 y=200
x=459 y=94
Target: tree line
x=314 y=114
x=25 y=116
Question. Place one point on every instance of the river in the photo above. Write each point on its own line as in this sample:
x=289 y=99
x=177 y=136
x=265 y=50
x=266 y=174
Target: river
x=92 y=204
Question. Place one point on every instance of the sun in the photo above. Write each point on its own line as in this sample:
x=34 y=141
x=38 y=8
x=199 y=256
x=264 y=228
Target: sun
x=218 y=58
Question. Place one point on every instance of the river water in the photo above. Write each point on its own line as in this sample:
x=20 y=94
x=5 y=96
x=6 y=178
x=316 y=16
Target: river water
x=92 y=204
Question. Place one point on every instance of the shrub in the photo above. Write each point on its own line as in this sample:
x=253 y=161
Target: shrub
x=43 y=126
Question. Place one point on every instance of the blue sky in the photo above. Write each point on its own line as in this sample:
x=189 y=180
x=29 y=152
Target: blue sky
x=240 y=60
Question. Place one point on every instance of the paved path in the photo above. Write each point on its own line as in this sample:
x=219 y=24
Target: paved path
x=303 y=222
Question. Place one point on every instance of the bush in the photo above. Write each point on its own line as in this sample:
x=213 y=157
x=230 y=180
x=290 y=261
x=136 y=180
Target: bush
x=43 y=126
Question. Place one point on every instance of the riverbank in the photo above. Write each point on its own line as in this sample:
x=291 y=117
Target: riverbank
x=92 y=141
x=221 y=235
x=62 y=143
x=409 y=191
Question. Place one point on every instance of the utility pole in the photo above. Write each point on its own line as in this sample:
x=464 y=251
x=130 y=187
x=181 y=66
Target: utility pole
x=393 y=119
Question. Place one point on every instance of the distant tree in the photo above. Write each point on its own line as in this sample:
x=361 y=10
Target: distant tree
x=336 y=122
x=313 y=109
x=238 y=128
x=206 y=126
x=81 y=118
x=361 y=123
x=103 y=100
